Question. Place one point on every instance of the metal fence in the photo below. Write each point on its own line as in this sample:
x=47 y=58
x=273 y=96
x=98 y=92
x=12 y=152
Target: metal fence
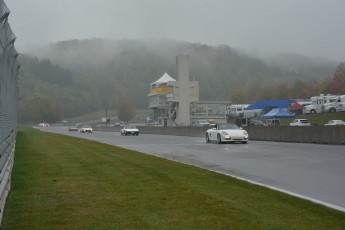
x=8 y=103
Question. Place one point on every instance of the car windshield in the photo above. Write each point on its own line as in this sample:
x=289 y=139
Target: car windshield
x=304 y=121
x=227 y=126
x=131 y=127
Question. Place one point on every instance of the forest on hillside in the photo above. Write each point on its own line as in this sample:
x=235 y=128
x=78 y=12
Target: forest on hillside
x=74 y=77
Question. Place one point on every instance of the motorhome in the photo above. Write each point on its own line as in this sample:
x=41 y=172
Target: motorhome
x=335 y=105
x=325 y=104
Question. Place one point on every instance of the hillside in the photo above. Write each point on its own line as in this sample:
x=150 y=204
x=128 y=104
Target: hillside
x=78 y=76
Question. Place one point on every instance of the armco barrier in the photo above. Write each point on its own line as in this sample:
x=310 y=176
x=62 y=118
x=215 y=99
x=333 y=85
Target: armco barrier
x=311 y=134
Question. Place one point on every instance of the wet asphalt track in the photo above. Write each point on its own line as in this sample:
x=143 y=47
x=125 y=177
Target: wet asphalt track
x=311 y=171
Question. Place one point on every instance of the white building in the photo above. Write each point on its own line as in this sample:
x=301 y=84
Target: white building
x=213 y=111
x=236 y=110
x=158 y=98
x=175 y=102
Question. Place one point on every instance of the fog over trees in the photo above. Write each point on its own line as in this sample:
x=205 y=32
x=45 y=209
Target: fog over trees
x=74 y=77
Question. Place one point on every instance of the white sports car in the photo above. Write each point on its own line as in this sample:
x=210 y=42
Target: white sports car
x=86 y=129
x=227 y=133
x=130 y=130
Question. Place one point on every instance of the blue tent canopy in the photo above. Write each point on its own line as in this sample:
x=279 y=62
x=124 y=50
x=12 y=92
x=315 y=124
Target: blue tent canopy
x=263 y=104
x=278 y=113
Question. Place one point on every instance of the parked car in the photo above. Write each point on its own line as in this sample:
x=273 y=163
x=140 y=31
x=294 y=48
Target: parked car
x=335 y=122
x=86 y=129
x=130 y=129
x=227 y=132
x=212 y=122
x=300 y=122
x=72 y=128
x=256 y=123
x=202 y=123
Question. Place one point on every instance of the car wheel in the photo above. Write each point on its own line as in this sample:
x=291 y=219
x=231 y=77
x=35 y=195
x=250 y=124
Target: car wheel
x=219 y=139
x=332 y=110
x=313 y=111
x=207 y=138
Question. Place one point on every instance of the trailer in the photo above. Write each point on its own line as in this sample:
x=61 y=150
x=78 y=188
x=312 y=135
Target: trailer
x=325 y=104
x=335 y=105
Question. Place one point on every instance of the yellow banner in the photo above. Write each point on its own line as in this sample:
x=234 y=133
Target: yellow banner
x=161 y=90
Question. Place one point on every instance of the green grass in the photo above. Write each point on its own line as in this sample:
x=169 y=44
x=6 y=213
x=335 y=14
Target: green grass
x=60 y=182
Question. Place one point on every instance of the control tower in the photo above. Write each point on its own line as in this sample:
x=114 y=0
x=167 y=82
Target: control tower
x=171 y=99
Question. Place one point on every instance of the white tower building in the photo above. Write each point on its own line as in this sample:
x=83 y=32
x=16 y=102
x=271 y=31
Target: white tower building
x=171 y=100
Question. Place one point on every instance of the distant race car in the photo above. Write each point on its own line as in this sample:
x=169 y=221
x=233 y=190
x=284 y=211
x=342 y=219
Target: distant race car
x=227 y=132
x=130 y=130
x=86 y=129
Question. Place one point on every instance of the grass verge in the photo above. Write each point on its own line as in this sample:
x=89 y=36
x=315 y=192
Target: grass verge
x=60 y=182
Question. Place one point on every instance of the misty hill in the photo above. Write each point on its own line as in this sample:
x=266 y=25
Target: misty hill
x=92 y=55
x=308 y=67
x=80 y=76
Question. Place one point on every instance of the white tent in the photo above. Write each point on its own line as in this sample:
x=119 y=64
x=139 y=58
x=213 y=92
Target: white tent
x=164 y=79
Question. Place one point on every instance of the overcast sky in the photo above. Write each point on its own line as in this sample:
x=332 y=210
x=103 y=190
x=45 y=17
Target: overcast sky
x=308 y=27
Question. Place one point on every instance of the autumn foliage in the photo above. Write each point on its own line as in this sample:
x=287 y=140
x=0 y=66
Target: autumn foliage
x=338 y=81
x=299 y=89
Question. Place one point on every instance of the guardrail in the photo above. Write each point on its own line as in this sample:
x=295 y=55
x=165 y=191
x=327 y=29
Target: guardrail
x=310 y=134
x=8 y=103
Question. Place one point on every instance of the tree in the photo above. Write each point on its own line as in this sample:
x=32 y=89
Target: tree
x=125 y=108
x=281 y=91
x=238 y=96
x=296 y=89
x=338 y=82
x=39 y=109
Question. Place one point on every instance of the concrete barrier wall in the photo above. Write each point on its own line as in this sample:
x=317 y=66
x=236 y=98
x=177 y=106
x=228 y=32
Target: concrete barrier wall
x=312 y=134
x=177 y=131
